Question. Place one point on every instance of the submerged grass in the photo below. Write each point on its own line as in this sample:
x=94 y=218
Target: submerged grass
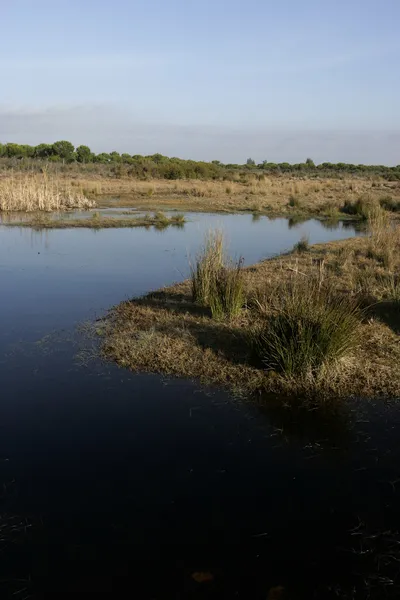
x=317 y=325
x=97 y=221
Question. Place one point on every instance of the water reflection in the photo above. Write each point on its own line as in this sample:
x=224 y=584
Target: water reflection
x=141 y=477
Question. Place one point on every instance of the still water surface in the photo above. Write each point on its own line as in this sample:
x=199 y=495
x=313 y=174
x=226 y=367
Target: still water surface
x=132 y=482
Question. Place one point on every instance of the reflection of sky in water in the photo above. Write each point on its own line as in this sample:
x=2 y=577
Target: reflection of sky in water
x=107 y=459
x=53 y=278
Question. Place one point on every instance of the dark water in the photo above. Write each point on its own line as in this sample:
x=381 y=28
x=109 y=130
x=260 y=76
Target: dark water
x=121 y=485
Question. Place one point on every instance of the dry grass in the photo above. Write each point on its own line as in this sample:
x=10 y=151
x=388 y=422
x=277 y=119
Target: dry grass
x=167 y=333
x=96 y=221
x=206 y=267
x=39 y=193
x=270 y=195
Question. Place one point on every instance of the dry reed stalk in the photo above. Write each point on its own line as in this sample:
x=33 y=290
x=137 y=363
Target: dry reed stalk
x=39 y=193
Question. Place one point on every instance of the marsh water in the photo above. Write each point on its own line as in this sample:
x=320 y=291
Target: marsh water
x=117 y=484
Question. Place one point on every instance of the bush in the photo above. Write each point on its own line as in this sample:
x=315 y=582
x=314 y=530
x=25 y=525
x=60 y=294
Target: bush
x=310 y=328
x=227 y=295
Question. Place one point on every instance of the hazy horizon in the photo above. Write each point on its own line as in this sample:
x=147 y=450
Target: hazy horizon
x=277 y=83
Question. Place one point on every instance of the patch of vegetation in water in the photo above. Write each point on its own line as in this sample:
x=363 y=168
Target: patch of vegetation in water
x=96 y=221
x=318 y=323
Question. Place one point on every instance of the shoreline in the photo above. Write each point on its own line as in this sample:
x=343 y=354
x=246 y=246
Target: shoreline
x=165 y=332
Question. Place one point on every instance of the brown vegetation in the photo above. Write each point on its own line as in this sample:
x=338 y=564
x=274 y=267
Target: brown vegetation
x=97 y=221
x=343 y=283
x=31 y=193
x=274 y=195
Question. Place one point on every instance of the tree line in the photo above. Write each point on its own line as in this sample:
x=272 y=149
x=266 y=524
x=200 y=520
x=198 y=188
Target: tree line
x=157 y=165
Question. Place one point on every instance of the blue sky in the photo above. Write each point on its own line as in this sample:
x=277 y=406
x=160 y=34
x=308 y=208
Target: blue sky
x=211 y=79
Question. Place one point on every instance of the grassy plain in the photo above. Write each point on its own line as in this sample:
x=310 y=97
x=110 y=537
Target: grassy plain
x=275 y=195
x=270 y=195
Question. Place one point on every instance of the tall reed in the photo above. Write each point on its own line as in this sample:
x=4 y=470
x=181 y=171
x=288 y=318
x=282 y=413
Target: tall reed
x=30 y=193
x=227 y=294
x=208 y=263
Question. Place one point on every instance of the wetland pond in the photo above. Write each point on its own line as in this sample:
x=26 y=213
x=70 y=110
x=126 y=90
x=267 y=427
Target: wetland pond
x=117 y=484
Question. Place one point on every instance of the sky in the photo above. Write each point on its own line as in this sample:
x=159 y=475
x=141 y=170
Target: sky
x=217 y=79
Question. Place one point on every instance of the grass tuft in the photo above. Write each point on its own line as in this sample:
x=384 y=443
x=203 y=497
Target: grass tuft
x=227 y=294
x=311 y=328
x=206 y=268
x=294 y=201
x=303 y=245
x=390 y=204
x=361 y=208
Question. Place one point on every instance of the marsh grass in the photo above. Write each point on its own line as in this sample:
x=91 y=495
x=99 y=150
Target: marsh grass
x=309 y=329
x=316 y=326
x=390 y=204
x=361 y=208
x=227 y=293
x=389 y=286
x=32 y=193
x=294 y=201
x=98 y=221
x=383 y=237
x=302 y=245
x=207 y=266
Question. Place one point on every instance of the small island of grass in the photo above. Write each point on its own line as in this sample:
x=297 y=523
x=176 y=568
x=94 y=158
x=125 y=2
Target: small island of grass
x=320 y=322
x=96 y=221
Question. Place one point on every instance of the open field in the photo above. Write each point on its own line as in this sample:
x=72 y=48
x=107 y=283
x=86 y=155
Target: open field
x=168 y=332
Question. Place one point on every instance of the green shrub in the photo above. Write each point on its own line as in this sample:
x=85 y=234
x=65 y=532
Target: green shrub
x=227 y=295
x=310 y=327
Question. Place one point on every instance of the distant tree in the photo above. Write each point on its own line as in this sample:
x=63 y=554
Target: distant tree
x=43 y=151
x=310 y=163
x=15 y=151
x=65 y=150
x=250 y=162
x=126 y=158
x=102 y=158
x=2 y=150
x=115 y=156
x=158 y=158
x=84 y=154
